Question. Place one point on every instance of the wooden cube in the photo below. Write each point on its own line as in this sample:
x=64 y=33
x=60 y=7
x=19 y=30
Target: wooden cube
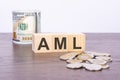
x=60 y=42
x=42 y=43
x=76 y=42
x=52 y=42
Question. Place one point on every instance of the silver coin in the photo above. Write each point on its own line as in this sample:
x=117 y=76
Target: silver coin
x=74 y=65
x=105 y=66
x=74 y=61
x=108 y=59
x=92 y=67
x=97 y=61
x=68 y=56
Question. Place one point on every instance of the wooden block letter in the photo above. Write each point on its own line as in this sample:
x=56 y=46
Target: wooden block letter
x=77 y=42
x=42 y=43
x=48 y=42
x=60 y=42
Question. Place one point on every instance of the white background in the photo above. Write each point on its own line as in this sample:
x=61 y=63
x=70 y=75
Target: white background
x=66 y=15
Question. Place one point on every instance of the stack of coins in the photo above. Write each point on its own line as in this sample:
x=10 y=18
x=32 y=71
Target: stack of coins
x=92 y=61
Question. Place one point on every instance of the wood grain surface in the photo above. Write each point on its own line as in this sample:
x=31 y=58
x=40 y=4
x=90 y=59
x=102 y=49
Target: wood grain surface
x=18 y=62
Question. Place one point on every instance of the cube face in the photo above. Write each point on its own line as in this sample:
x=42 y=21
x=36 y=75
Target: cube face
x=77 y=42
x=47 y=42
x=42 y=43
x=60 y=43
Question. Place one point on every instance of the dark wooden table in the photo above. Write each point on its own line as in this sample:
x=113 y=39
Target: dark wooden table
x=18 y=62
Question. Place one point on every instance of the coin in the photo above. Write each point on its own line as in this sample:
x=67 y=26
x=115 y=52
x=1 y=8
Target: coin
x=97 y=61
x=74 y=65
x=74 y=61
x=108 y=59
x=84 y=57
x=90 y=53
x=102 y=54
x=98 y=54
x=69 y=56
x=105 y=66
x=92 y=67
